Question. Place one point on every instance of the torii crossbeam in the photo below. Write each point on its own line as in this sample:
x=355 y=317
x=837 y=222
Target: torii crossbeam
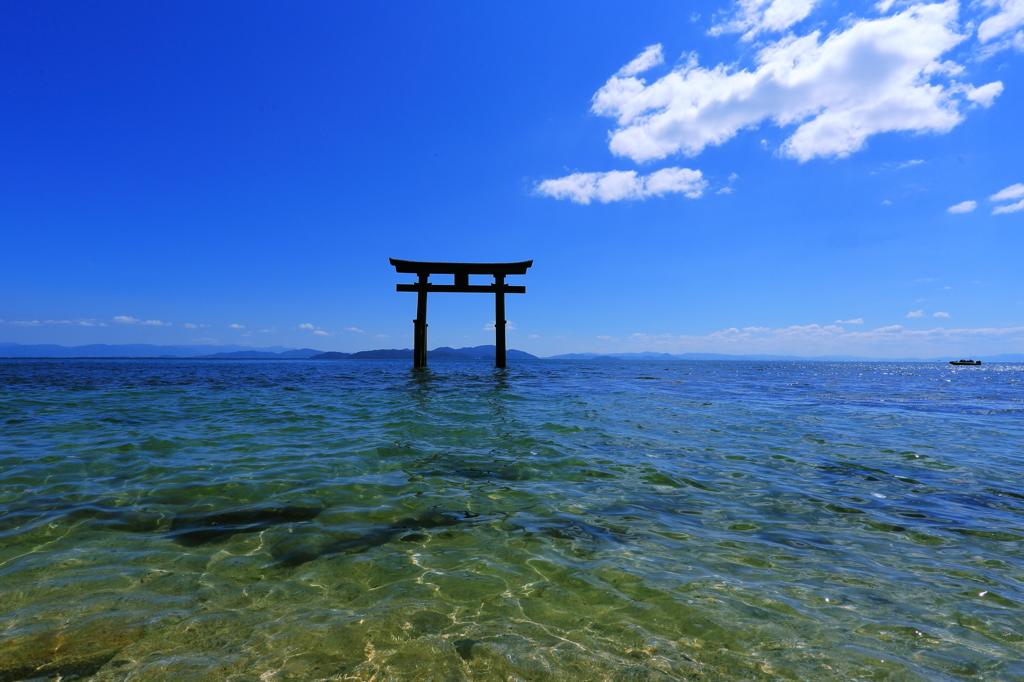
x=462 y=271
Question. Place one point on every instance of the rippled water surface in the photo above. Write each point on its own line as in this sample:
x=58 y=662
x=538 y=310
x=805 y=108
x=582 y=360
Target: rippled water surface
x=354 y=520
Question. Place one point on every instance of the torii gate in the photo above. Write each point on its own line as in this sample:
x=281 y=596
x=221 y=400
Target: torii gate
x=462 y=271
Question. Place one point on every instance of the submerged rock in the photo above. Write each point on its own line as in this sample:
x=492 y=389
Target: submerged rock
x=80 y=650
x=192 y=530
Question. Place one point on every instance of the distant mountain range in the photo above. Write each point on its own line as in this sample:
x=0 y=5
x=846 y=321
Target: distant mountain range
x=143 y=350
x=442 y=353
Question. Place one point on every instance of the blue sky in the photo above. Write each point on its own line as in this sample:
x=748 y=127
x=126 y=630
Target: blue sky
x=784 y=176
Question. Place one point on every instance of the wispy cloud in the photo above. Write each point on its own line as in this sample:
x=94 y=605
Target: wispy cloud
x=1010 y=16
x=649 y=58
x=963 y=207
x=583 y=188
x=1011 y=208
x=354 y=329
x=1008 y=193
x=940 y=314
x=753 y=17
x=320 y=332
x=236 y=326
x=915 y=313
x=76 y=323
x=307 y=326
x=127 y=319
x=189 y=325
x=272 y=330
x=857 y=320
x=876 y=75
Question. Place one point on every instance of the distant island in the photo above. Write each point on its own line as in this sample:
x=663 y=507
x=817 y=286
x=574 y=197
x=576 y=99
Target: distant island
x=234 y=352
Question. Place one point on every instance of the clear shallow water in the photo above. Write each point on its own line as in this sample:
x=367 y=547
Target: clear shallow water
x=300 y=520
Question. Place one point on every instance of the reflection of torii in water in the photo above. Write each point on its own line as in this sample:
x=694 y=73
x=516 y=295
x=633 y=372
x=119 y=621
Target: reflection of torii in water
x=462 y=271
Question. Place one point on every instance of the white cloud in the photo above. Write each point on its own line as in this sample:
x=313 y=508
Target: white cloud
x=652 y=56
x=354 y=329
x=940 y=314
x=157 y=323
x=126 y=319
x=26 y=323
x=381 y=336
x=876 y=76
x=237 y=326
x=1011 y=208
x=321 y=333
x=916 y=313
x=1009 y=193
x=489 y=327
x=534 y=336
x=759 y=16
x=963 y=207
x=1010 y=16
x=857 y=320
x=986 y=94
x=307 y=326
x=272 y=330
x=189 y=325
x=583 y=188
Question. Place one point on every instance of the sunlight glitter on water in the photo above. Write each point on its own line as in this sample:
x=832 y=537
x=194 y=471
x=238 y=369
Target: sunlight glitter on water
x=294 y=520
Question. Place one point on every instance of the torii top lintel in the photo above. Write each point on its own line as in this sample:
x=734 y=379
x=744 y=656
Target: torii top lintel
x=427 y=268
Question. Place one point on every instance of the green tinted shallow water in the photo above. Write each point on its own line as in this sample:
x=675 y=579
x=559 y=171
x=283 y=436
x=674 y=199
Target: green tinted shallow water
x=299 y=520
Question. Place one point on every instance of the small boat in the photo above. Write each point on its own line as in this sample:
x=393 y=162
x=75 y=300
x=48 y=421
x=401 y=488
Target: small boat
x=965 y=362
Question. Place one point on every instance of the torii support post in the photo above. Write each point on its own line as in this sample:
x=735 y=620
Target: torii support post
x=499 y=321
x=461 y=272
x=419 y=343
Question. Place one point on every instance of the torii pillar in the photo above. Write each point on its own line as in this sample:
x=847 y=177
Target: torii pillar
x=461 y=272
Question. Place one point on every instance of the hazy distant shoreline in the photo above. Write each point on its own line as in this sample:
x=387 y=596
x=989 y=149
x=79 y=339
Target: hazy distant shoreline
x=233 y=352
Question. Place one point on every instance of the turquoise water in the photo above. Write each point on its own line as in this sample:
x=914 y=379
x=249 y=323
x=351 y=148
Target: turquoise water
x=356 y=520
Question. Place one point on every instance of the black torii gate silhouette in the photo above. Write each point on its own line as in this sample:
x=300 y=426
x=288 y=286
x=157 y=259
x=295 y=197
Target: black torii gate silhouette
x=462 y=271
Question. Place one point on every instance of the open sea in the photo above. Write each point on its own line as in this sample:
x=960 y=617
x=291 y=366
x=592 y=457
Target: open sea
x=605 y=520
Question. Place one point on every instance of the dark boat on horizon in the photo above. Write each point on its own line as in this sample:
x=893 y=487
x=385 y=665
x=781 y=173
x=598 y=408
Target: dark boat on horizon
x=965 y=362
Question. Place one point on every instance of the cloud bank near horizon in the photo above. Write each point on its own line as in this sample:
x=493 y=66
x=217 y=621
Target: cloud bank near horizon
x=833 y=339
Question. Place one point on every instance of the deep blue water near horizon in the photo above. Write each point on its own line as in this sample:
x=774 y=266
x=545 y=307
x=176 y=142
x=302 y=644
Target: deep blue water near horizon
x=558 y=520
